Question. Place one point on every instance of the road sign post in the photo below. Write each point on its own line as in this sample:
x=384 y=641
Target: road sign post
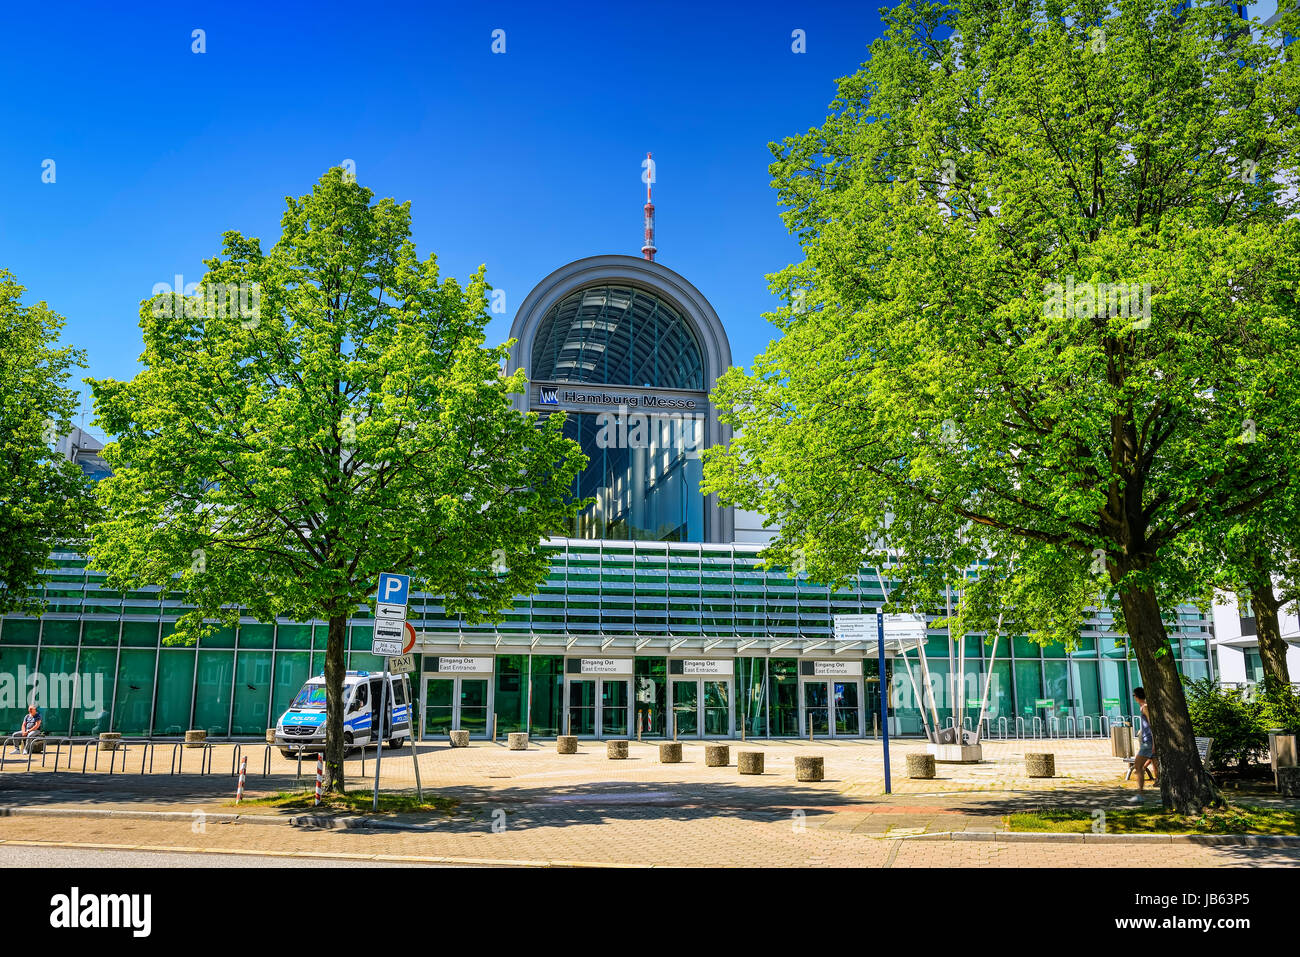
x=389 y=639
x=884 y=696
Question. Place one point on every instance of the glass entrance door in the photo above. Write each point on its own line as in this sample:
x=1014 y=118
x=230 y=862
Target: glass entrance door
x=831 y=708
x=615 y=697
x=702 y=708
x=456 y=704
x=597 y=707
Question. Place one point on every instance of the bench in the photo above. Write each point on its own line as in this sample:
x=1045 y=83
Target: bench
x=1202 y=748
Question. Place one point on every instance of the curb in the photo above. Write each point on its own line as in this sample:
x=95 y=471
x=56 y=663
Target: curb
x=323 y=821
x=1051 y=837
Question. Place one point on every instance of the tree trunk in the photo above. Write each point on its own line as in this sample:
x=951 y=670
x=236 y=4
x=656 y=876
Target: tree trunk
x=334 y=671
x=1184 y=785
x=1272 y=648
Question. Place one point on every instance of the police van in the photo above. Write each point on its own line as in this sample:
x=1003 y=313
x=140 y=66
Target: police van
x=302 y=727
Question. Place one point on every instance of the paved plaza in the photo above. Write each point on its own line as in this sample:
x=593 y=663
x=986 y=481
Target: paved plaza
x=538 y=807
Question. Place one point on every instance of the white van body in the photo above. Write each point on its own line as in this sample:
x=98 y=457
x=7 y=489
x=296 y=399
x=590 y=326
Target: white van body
x=302 y=727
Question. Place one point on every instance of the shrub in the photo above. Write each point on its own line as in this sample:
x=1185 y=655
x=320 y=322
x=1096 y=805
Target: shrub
x=1280 y=707
x=1235 y=722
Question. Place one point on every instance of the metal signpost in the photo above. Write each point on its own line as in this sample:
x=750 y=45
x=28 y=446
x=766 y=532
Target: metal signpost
x=884 y=694
x=389 y=639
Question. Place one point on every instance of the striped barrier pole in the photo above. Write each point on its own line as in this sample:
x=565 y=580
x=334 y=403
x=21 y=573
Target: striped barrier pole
x=320 y=775
x=243 y=772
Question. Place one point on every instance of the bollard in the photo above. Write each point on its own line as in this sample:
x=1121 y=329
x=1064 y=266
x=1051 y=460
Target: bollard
x=749 y=762
x=670 y=752
x=566 y=744
x=616 y=750
x=320 y=775
x=1040 y=764
x=243 y=773
x=517 y=740
x=920 y=766
x=717 y=755
x=808 y=767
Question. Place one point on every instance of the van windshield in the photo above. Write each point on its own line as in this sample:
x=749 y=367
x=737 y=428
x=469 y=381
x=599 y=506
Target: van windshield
x=310 y=698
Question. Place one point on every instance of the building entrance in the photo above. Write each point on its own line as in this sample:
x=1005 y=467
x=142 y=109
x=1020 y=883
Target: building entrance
x=598 y=707
x=456 y=704
x=831 y=708
x=701 y=707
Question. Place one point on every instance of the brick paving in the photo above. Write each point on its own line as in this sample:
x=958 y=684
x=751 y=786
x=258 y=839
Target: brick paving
x=587 y=809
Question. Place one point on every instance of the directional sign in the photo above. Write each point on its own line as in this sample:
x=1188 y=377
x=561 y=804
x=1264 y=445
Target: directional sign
x=394 y=589
x=410 y=637
x=388 y=612
x=401 y=664
x=909 y=627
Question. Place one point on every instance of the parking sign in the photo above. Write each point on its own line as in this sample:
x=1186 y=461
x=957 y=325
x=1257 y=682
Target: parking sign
x=393 y=589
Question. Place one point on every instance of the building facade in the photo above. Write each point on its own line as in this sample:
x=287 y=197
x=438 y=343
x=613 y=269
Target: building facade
x=657 y=618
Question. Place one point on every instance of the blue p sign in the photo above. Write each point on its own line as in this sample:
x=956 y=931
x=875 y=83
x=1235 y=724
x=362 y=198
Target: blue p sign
x=393 y=589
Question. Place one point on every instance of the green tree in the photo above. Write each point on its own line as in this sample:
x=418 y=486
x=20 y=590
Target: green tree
x=1048 y=275
x=315 y=416
x=43 y=497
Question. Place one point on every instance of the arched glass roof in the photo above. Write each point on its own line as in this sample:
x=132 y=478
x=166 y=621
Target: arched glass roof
x=617 y=335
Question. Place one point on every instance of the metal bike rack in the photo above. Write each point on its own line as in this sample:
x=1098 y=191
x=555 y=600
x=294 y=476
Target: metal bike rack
x=1002 y=727
x=1020 y=727
x=1087 y=725
x=1038 y=726
x=1071 y=726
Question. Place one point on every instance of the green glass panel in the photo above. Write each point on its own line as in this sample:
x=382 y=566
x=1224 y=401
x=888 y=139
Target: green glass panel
x=1000 y=701
x=293 y=636
x=581 y=716
x=686 y=705
x=256 y=636
x=252 y=692
x=212 y=694
x=55 y=688
x=140 y=634
x=650 y=686
x=1114 y=688
x=783 y=697
x=1029 y=686
x=613 y=707
x=438 y=706
x=845 y=698
x=751 y=696
x=473 y=705
x=1087 y=697
x=98 y=670
x=1196 y=669
x=20 y=631
x=546 y=684
x=510 y=701
x=175 y=692
x=64 y=632
x=133 y=705
x=1054 y=650
x=717 y=708
x=223 y=637
x=1024 y=648
x=1087 y=648
x=1058 y=689
x=292 y=669
x=1195 y=648
x=816 y=701
x=364 y=661
x=361 y=636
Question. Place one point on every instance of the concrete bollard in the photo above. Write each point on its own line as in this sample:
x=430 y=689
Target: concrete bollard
x=920 y=766
x=670 y=752
x=749 y=762
x=270 y=735
x=111 y=740
x=717 y=755
x=518 y=741
x=458 y=739
x=194 y=738
x=809 y=767
x=616 y=750
x=566 y=744
x=1040 y=764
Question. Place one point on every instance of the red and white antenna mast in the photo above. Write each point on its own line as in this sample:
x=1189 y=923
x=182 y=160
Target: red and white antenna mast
x=648 y=250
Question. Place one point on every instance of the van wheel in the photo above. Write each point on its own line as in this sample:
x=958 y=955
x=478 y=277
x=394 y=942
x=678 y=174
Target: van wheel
x=395 y=743
x=287 y=753
x=347 y=742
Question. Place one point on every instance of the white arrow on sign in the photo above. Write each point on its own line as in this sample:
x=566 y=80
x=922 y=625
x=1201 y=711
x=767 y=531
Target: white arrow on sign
x=389 y=612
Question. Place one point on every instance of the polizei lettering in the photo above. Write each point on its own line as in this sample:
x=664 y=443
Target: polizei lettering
x=77 y=910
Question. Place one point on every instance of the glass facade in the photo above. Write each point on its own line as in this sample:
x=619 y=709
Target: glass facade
x=649 y=602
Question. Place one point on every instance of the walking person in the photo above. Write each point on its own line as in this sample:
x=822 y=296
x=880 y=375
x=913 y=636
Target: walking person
x=1146 y=746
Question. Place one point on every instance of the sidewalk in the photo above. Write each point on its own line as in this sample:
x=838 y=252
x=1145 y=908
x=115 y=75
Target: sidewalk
x=538 y=806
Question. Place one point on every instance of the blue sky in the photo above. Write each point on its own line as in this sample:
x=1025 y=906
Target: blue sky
x=523 y=161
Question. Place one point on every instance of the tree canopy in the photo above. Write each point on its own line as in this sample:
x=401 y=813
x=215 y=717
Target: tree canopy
x=1049 y=284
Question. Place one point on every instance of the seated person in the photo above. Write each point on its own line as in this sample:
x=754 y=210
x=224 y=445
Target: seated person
x=31 y=727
